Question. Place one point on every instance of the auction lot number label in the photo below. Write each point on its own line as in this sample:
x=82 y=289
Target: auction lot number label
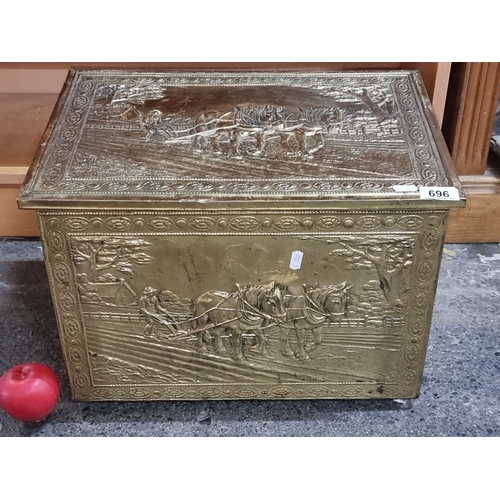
x=439 y=193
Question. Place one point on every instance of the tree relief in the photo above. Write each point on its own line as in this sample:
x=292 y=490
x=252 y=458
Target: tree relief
x=108 y=252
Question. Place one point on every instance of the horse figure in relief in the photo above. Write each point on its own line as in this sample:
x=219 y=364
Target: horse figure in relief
x=304 y=123
x=240 y=122
x=310 y=311
x=252 y=308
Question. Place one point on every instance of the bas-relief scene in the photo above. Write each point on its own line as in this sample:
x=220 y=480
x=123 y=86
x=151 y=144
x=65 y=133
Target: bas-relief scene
x=244 y=132
x=338 y=319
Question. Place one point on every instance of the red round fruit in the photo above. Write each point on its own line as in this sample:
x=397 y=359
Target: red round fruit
x=29 y=392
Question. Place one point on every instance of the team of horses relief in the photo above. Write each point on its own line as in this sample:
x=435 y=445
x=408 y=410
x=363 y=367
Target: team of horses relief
x=249 y=310
x=248 y=121
x=228 y=311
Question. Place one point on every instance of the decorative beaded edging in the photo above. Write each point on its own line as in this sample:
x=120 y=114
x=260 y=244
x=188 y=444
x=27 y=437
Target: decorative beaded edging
x=63 y=287
x=64 y=139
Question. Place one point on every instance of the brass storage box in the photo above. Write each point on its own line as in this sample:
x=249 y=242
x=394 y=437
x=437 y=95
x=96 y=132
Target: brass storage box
x=243 y=235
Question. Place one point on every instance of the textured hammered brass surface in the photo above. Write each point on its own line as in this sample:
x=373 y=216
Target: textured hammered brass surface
x=197 y=305
x=159 y=137
x=235 y=236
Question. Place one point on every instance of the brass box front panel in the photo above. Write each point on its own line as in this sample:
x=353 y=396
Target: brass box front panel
x=226 y=304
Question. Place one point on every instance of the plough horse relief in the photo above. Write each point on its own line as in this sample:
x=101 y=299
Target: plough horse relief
x=251 y=309
x=317 y=306
x=223 y=131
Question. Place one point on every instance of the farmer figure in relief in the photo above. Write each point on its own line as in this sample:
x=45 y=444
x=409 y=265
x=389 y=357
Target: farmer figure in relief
x=148 y=306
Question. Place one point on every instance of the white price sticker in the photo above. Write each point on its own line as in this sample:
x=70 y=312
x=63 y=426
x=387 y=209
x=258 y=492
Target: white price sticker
x=405 y=188
x=296 y=259
x=439 y=193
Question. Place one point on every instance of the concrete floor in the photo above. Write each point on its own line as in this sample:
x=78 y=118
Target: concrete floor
x=460 y=391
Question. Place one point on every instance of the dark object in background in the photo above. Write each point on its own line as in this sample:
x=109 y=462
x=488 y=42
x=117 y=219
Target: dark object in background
x=495 y=139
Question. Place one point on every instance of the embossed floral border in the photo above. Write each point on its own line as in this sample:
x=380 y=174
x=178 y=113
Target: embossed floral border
x=50 y=176
x=429 y=226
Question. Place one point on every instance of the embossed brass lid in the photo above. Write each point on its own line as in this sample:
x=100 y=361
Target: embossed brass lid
x=121 y=139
